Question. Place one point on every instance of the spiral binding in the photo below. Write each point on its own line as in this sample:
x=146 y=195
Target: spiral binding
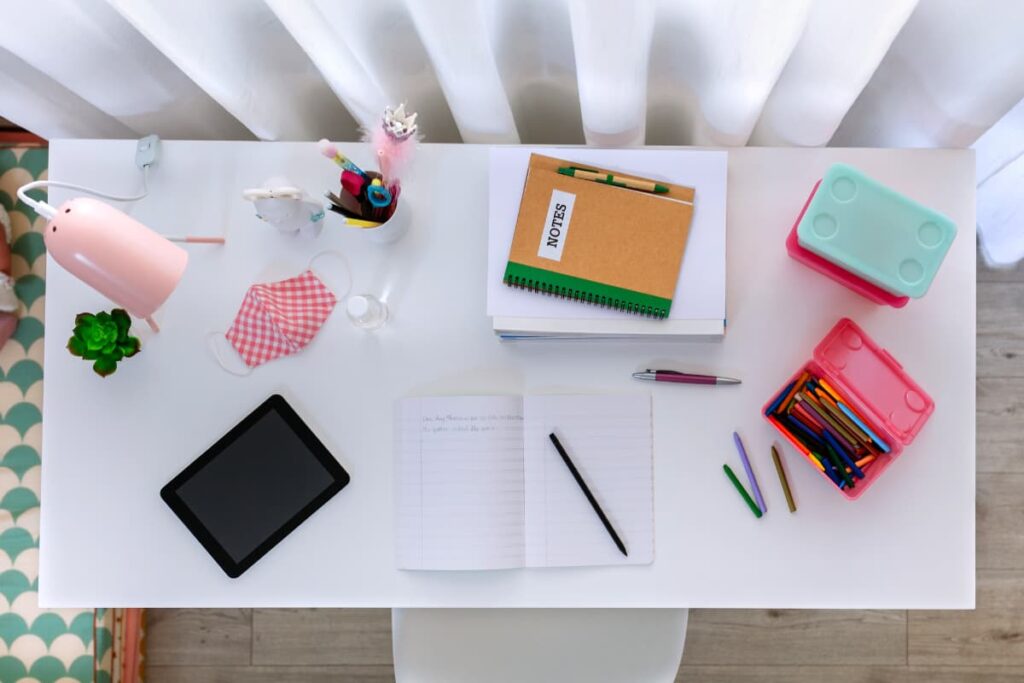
x=543 y=287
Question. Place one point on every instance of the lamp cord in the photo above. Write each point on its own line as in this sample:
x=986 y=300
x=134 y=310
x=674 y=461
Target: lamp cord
x=47 y=211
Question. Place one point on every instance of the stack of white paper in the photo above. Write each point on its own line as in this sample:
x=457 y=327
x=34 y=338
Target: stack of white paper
x=698 y=307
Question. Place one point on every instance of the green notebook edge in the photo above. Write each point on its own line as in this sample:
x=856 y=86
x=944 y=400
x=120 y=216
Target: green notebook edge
x=586 y=291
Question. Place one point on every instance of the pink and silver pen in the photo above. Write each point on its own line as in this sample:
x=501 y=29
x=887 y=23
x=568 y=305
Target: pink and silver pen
x=682 y=377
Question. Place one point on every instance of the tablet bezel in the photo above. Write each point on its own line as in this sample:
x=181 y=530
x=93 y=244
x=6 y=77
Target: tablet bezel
x=169 y=493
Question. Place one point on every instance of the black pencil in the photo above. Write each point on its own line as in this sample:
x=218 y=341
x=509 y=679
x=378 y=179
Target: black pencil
x=586 y=492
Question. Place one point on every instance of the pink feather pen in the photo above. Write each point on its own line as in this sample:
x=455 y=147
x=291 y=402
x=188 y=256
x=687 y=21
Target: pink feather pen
x=394 y=139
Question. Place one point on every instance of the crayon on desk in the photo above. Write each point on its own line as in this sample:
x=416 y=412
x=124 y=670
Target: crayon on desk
x=750 y=472
x=782 y=479
x=743 y=492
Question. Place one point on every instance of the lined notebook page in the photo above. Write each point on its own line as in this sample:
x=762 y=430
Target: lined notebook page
x=459 y=478
x=609 y=439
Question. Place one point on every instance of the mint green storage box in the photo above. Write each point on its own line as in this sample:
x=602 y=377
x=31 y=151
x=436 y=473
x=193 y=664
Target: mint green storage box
x=874 y=232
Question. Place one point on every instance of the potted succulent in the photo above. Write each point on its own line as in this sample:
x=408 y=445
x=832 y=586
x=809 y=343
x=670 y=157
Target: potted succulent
x=103 y=338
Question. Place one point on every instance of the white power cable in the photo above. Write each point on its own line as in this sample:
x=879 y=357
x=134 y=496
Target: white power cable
x=47 y=211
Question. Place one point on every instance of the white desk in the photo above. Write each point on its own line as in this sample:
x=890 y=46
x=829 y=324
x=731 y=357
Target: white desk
x=109 y=445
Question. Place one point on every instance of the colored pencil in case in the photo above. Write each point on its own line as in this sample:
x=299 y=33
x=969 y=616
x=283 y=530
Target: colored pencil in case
x=867 y=430
x=805 y=435
x=854 y=416
x=778 y=400
x=819 y=410
x=802 y=415
x=750 y=472
x=826 y=424
x=829 y=470
x=845 y=457
x=818 y=460
x=833 y=409
x=865 y=467
x=865 y=439
x=742 y=491
x=782 y=479
x=837 y=464
x=810 y=422
x=797 y=434
x=833 y=474
x=822 y=463
x=797 y=444
x=805 y=451
x=828 y=389
x=801 y=380
x=866 y=460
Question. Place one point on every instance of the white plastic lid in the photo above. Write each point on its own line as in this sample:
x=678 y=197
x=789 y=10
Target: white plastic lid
x=358 y=306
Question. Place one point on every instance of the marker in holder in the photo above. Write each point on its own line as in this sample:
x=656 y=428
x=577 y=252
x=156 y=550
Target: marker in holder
x=870 y=238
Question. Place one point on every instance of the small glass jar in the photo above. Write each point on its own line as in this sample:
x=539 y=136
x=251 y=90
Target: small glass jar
x=366 y=311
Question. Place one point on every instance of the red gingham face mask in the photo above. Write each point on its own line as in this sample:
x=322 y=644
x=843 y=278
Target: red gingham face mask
x=280 y=318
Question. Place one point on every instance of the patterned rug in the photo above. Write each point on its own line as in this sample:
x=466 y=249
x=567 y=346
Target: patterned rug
x=38 y=646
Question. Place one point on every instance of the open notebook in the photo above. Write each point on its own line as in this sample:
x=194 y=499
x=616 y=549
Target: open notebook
x=479 y=485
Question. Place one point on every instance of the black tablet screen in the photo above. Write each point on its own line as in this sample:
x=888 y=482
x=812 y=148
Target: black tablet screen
x=255 y=485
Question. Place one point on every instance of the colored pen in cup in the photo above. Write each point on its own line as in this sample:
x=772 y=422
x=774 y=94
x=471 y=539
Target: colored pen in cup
x=329 y=150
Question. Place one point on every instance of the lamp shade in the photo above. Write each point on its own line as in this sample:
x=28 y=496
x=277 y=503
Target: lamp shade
x=121 y=258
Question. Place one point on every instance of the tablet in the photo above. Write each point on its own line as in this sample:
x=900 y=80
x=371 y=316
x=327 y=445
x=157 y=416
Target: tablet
x=254 y=486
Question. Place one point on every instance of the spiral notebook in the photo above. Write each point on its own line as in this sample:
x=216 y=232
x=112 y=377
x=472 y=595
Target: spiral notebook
x=479 y=485
x=598 y=243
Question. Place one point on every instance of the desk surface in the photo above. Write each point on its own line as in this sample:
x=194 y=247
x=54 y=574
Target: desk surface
x=109 y=445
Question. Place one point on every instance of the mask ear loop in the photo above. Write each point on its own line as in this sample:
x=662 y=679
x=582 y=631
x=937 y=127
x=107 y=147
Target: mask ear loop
x=348 y=269
x=220 y=360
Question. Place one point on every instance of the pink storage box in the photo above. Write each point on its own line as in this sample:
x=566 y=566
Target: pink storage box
x=837 y=273
x=874 y=385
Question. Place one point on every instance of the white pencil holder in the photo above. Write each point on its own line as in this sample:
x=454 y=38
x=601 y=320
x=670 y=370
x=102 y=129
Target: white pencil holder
x=394 y=228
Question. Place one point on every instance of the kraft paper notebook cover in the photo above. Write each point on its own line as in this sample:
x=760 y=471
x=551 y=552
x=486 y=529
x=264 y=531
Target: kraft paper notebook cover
x=598 y=243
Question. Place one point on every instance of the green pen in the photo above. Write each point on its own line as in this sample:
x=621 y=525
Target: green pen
x=611 y=179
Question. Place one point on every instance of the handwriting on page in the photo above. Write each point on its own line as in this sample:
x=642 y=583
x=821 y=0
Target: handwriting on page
x=459 y=468
x=477 y=424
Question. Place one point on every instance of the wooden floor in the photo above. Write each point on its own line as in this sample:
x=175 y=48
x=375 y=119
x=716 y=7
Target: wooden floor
x=722 y=646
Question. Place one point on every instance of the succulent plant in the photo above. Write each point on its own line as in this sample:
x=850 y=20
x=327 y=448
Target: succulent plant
x=103 y=338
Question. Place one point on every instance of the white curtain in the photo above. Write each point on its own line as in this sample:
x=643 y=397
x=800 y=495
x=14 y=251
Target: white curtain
x=603 y=72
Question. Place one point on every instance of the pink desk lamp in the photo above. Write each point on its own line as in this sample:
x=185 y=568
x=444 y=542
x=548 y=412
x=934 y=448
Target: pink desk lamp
x=113 y=253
